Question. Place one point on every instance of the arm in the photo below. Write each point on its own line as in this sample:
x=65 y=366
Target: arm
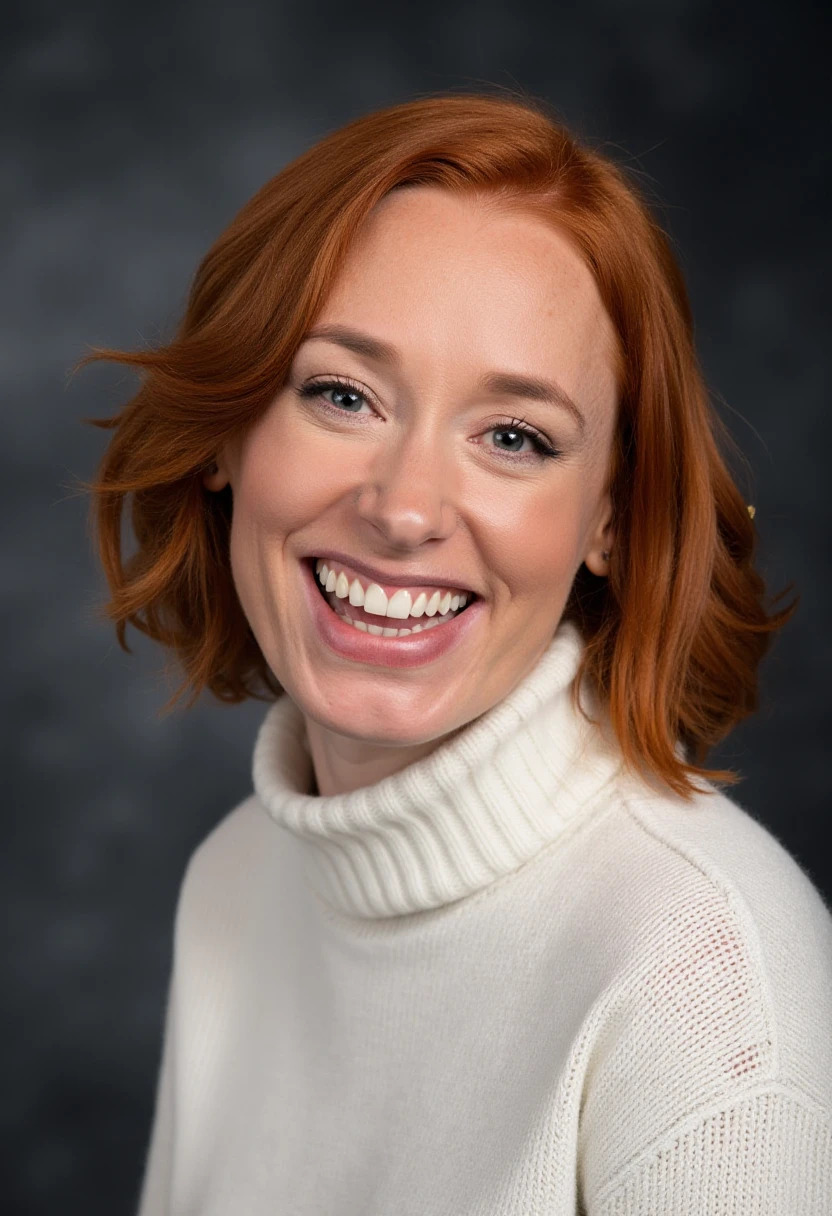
x=156 y=1184
x=765 y=1154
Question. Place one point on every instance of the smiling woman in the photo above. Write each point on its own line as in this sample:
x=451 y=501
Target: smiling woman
x=402 y=402
x=430 y=462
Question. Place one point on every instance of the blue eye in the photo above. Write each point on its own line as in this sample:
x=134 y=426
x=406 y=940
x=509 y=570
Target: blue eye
x=519 y=430
x=341 y=388
x=348 y=398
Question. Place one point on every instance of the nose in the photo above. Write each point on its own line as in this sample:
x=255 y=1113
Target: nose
x=407 y=495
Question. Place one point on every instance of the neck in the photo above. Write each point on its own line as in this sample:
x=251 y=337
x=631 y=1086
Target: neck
x=342 y=764
x=449 y=823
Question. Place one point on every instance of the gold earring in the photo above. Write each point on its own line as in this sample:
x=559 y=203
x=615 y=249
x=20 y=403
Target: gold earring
x=751 y=510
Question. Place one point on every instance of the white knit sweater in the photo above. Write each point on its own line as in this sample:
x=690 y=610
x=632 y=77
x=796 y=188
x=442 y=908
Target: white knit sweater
x=509 y=980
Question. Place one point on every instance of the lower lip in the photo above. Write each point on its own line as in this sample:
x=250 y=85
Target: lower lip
x=412 y=651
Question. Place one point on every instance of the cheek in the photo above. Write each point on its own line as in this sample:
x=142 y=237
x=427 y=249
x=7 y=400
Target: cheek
x=286 y=477
x=531 y=537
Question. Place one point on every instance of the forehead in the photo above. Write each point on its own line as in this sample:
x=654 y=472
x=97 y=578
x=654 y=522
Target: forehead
x=455 y=281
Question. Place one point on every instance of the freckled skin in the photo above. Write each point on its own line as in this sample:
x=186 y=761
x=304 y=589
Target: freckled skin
x=419 y=480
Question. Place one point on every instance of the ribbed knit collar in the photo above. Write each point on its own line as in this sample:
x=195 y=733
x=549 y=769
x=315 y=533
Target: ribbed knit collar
x=478 y=807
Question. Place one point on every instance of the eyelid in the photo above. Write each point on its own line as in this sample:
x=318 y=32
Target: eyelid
x=521 y=424
x=339 y=381
x=544 y=446
x=533 y=433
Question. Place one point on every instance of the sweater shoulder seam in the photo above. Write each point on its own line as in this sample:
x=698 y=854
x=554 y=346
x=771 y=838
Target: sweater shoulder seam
x=637 y=810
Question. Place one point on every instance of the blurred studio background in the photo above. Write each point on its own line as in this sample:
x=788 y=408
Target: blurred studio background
x=132 y=135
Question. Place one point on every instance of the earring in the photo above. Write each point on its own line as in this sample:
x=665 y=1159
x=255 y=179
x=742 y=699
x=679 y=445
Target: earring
x=606 y=555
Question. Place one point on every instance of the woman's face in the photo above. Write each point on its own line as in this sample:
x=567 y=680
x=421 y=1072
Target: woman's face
x=411 y=471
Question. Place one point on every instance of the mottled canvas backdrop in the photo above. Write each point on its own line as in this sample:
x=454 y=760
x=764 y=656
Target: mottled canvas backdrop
x=132 y=133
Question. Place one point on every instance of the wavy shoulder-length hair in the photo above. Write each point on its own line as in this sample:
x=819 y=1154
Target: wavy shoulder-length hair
x=674 y=636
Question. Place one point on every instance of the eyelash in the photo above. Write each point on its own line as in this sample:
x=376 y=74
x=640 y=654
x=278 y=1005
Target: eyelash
x=544 y=450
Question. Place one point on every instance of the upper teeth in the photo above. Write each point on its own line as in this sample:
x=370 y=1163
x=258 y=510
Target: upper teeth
x=374 y=599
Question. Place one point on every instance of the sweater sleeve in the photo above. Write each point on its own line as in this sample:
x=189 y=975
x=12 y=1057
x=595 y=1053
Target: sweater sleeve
x=156 y=1184
x=764 y=1155
x=204 y=931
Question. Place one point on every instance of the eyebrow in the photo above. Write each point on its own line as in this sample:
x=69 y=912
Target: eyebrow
x=506 y=384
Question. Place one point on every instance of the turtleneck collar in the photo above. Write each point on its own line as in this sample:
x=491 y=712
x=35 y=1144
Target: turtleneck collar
x=479 y=806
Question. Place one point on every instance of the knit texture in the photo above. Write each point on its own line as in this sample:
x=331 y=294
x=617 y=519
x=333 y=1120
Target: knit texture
x=510 y=979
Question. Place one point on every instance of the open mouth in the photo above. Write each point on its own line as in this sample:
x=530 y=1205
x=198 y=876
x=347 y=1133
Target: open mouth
x=378 y=624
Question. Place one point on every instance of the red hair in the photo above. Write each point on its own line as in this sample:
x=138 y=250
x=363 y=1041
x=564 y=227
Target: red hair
x=675 y=634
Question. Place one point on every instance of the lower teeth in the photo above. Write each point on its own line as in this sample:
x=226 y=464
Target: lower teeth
x=387 y=632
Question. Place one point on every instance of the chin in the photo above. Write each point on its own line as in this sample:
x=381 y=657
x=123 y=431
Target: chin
x=381 y=723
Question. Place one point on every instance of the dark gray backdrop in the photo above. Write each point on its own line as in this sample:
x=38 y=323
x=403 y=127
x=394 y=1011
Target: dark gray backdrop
x=132 y=135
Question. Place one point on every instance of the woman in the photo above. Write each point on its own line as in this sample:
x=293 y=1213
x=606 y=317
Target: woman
x=430 y=460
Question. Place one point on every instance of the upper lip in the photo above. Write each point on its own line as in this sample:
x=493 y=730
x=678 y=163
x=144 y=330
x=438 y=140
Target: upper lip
x=403 y=578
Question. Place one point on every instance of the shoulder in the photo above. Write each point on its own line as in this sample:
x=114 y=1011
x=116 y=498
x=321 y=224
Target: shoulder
x=753 y=916
x=229 y=845
x=242 y=862
x=220 y=857
x=744 y=912
x=723 y=997
x=740 y=857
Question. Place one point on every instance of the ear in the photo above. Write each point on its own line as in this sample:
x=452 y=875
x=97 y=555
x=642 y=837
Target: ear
x=601 y=542
x=215 y=478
